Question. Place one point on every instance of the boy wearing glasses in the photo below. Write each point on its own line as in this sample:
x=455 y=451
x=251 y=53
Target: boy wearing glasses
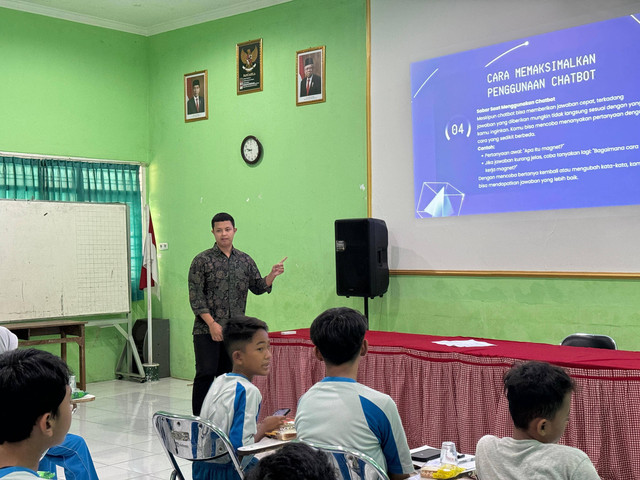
x=35 y=410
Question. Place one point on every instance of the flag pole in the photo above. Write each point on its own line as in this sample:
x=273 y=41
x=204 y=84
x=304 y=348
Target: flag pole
x=147 y=246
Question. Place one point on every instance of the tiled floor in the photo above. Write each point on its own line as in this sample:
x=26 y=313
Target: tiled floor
x=117 y=426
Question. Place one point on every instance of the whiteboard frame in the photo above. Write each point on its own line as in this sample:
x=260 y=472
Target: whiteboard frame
x=67 y=278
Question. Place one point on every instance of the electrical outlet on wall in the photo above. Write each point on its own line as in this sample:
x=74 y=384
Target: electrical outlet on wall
x=163 y=246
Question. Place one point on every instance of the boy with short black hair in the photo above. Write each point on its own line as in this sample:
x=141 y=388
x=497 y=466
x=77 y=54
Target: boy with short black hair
x=233 y=402
x=72 y=456
x=35 y=409
x=295 y=461
x=539 y=396
x=340 y=411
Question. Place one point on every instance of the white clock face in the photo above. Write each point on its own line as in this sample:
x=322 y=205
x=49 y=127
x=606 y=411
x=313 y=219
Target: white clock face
x=251 y=150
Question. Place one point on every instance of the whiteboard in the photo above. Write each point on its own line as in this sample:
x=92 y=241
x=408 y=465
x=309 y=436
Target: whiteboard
x=592 y=241
x=62 y=259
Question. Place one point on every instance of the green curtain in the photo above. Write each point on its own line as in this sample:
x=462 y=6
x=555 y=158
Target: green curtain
x=75 y=181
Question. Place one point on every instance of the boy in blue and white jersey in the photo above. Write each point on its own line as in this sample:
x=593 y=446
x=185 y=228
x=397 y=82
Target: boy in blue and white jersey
x=340 y=411
x=35 y=409
x=233 y=402
x=72 y=456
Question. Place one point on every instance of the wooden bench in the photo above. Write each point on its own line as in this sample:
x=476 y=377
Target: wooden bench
x=69 y=331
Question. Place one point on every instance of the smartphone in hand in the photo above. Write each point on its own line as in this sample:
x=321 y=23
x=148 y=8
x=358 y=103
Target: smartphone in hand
x=282 y=411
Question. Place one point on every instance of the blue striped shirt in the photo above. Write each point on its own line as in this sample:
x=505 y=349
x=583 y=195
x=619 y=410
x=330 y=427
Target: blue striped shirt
x=340 y=411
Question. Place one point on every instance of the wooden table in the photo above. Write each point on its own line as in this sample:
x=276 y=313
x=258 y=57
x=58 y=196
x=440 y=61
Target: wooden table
x=87 y=398
x=69 y=331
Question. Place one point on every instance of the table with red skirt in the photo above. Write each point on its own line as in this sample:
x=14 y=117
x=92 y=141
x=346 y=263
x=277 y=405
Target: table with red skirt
x=452 y=393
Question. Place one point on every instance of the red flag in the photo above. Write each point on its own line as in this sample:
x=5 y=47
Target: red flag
x=150 y=255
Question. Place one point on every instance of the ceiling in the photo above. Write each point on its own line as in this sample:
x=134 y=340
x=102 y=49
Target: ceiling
x=142 y=17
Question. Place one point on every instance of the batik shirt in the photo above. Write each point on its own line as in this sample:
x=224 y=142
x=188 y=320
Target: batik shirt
x=219 y=285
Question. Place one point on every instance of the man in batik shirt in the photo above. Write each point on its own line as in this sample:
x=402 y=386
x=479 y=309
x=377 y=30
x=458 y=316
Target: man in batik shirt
x=219 y=281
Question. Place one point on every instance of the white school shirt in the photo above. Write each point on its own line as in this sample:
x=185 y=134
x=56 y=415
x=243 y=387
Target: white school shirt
x=340 y=411
x=17 y=473
x=511 y=459
x=233 y=404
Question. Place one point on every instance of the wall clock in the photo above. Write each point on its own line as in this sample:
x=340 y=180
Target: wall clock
x=251 y=150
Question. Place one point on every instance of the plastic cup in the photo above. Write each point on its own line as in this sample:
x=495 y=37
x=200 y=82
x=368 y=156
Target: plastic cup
x=448 y=454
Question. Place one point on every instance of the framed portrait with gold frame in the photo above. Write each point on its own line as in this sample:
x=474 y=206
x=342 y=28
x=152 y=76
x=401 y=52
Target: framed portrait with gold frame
x=196 y=95
x=249 y=66
x=311 y=81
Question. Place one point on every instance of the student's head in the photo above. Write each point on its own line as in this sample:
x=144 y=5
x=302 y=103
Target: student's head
x=196 y=87
x=35 y=395
x=338 y=333
x=223 y=228
x=295 y=461
x=539 y=396
x=247 y=343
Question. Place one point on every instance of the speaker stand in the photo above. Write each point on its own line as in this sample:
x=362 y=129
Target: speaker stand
x=366 y=310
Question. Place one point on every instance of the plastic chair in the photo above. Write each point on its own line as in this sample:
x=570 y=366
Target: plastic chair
x=192 y=438
x=589 y=340
x=351 y=464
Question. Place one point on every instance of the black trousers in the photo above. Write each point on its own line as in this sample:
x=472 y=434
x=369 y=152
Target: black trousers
x=211 y=360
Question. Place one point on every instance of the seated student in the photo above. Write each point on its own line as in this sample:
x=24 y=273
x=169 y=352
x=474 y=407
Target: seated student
x=539 y=398
x=72 y=455
x=340 y=411
x=296 y=461
x=8 y=340
x=233 y=402
x=35 y=409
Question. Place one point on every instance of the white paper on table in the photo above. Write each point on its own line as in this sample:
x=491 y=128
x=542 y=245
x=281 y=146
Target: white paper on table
x=263 y=444
x=468 y=462
x=464 y=343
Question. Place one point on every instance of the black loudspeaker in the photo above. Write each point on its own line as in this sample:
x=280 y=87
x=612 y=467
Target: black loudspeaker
x=361 y=257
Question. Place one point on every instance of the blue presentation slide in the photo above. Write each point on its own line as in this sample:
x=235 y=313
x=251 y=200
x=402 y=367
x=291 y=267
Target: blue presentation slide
x=546 y=122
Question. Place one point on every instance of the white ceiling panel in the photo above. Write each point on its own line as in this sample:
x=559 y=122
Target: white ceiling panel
x=143 y=17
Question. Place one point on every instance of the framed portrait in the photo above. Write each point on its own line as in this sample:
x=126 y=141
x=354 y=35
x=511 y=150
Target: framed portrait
x=249 y=66
x=196 y=94
x=311 y=82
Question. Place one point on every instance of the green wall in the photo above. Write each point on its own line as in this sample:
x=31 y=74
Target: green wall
x=526 y=309
x=312 y=171
x=72 y=89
